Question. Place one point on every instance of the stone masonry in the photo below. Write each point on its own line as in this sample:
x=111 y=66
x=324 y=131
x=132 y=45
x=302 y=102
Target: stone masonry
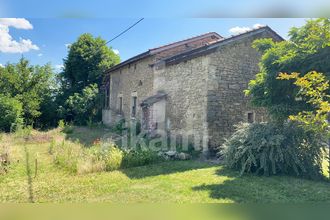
x=204 y=80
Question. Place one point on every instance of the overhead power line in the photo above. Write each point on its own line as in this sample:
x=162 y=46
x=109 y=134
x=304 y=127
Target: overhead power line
x=123 y=32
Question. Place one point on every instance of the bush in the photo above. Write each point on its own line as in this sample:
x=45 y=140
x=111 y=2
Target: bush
x=11 y=113
x=112 y=156
x=269 y=149
x=134 y=158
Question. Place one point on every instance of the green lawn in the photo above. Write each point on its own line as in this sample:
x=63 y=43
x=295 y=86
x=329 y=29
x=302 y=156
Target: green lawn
x=175 y=181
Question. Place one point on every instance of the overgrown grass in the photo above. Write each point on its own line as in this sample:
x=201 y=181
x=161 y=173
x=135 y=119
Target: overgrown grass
x=173 y=181
x=78 y=159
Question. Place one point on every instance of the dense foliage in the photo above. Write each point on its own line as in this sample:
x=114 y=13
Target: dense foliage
x=269 y=149
x=308 y=49
x=34 y=87
x=84 y=107
x=86 y=62
x=73 y=95
x=11 y=113
x=313 y=87
x=84 y=67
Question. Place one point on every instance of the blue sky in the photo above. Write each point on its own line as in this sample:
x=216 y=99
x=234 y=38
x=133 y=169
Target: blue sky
x=51 y=35
x=163 y=8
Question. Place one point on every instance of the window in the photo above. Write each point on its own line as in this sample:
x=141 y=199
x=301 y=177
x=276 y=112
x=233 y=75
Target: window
x=107 y=96
x=250 y=117
x=134 y=104
x=120 y=104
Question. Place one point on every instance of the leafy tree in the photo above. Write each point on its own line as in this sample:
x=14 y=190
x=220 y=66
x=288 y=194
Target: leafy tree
x=84 y=68
x=11 y=113
x=84 y=107
x=314 y=88
x=86 y=62
x=30 y=85
x=307 y=49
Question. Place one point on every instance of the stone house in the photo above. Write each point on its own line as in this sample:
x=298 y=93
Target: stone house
x=192 y=87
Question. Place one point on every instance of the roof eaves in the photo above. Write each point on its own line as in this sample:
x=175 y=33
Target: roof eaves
x=130 y=60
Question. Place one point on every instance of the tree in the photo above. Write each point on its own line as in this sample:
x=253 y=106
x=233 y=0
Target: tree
x=308 y=49
x=306 y=100
x=11 y=113
x=314 y=88
x=84 y=107
x=30 y=85
x=86 y=62
x=84 y=68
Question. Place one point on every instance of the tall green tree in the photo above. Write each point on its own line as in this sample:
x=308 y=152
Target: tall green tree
x=306 y=50
x=30 y=85
x=84 y=67
x=86 y=62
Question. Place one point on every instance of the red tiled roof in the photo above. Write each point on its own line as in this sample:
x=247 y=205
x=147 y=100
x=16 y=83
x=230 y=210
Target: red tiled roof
x=164 y=48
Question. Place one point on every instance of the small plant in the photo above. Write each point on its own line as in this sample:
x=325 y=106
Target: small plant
x=4 y=159
x=112 y=156
x=61 y=124
x=52 y=146
x=119 y=127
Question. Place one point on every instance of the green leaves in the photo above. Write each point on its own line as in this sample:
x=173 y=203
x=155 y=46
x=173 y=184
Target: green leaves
x=11 y=113
x=30 y=85
x=314 y=89
x=84 y=69
x=85 y=106
x=308 y=49
x=86 y=62
x=270 y=149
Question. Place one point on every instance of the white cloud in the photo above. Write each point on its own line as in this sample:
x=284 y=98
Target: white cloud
x=255 y=26
x=115 y=51
x=19 y=23
x=59 y=67
x=1 y=65
x=240 y=30
x=67 y=45
x=7 y=43
x=39 y=54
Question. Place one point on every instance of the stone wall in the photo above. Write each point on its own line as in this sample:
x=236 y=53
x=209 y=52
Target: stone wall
x=186 y=86
x=231 y=68
x=136 y=78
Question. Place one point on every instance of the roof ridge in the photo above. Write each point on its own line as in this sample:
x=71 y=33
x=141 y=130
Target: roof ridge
x=254 y=29
x=187 y=39
x=216 y=44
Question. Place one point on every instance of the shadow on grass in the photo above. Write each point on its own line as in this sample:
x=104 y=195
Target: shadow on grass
x=164 y=168
x=259 y=189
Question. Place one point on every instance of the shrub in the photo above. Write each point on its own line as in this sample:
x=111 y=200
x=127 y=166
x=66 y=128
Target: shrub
x=134 y=158
x=61 y=124
x=270 y=149
x=11 y=113
x=119 y=127
x=112 y=157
